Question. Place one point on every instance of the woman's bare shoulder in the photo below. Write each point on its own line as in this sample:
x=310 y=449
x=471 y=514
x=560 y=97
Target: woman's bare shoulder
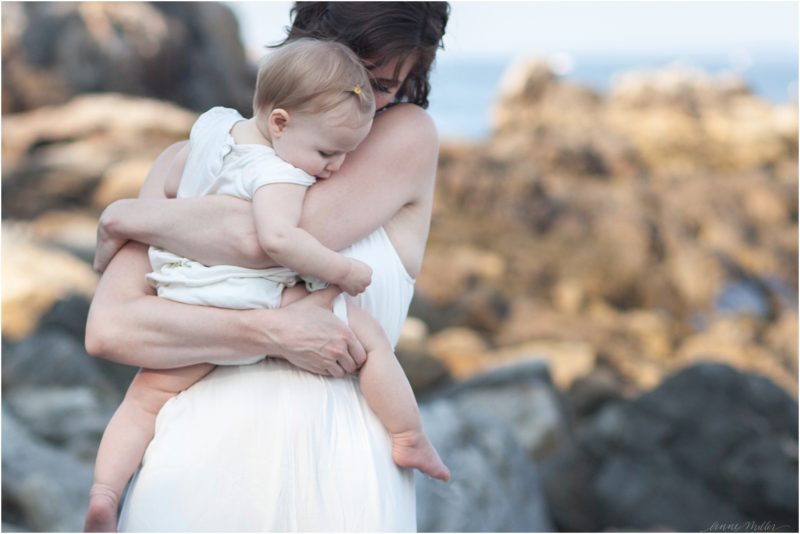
x=409 y=122
x=406 y=140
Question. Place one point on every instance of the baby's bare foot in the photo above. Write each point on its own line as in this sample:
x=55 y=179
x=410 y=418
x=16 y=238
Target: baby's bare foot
x=102 y=514
x=413 y=449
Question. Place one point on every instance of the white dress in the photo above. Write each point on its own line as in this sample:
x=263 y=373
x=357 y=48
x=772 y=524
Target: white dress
x=268 y=447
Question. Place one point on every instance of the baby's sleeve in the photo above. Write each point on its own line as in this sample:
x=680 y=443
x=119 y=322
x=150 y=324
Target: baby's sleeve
x=209 y=121
x=270 y=169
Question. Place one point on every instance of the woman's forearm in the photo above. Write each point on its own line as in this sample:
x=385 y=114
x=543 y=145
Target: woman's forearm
x=214 y=230
x=129 y=325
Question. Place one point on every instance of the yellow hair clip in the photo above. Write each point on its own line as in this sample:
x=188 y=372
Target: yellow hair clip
x=357 y=89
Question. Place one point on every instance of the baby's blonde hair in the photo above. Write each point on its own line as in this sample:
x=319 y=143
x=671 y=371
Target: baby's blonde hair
x=312 y=76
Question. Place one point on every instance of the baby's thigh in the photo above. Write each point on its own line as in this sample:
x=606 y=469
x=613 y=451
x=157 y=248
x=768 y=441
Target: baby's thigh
x=368 y=331
x=152 y=388
x=293 y=294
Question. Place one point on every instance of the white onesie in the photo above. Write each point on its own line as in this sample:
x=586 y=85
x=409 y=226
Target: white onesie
x=218 y=166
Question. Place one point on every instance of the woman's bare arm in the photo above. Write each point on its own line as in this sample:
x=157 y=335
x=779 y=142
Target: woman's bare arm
x=388 y=171
x=127 y=323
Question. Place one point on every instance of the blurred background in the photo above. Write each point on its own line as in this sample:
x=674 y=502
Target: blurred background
x=604 y=334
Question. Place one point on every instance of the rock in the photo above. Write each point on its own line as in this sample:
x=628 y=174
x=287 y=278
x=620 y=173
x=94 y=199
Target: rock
x=567 y=360
x=651 y=329
x=630 y=497
x=448 y=274
x=689 y=118
x=425 y=373
x=733 y=340
x=589 y=393
x=766 y=206
x=523 y=397
x=696 y=274
x=121 y=180
x=413 y=334
x=530 y=320
x=783 y=298
x=46 y=486
x=495 y=486
x=531 y=87
x=527 y=79
x=461 y=350
x=35 y=278
x=53 y=357
x=71 y=417
x=73 y=231
x=70 y=315
x=674 y=459
x=568 y=296
x=782 y=340
x=54 y=157
x=435 y=317
x=186 y=53
x=484 y=309
x=676 y=83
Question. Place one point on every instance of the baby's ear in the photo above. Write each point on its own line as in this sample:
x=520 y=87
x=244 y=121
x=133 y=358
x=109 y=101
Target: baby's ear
x=278 y=120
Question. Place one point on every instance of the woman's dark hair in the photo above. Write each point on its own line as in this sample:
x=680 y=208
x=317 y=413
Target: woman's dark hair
x=380 y=32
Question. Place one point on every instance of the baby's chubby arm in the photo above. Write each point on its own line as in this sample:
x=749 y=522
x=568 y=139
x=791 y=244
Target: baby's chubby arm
x=277 y=209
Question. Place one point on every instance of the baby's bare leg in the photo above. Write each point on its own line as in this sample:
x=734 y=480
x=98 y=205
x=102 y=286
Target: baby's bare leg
x=127 y=435
x=388 y=393
x=292 y=294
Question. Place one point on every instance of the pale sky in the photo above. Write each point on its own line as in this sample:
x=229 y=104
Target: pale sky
x=526 y=28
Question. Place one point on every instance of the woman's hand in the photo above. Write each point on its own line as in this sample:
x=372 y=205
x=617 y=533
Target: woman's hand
x=314 y=339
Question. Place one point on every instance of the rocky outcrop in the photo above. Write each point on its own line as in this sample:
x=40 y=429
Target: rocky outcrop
x=187 y=53
x=674 y=119
x=638 y=222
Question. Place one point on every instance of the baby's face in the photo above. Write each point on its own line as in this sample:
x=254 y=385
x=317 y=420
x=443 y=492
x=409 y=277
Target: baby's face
x=318 y=143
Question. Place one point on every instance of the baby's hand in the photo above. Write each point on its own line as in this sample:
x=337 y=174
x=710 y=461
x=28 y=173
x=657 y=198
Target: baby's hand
x=357 y=278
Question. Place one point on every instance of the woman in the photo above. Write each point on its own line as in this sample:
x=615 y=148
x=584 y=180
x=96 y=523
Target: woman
x=272 y=446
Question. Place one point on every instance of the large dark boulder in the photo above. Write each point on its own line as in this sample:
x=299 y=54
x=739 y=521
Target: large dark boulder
x=709 y=445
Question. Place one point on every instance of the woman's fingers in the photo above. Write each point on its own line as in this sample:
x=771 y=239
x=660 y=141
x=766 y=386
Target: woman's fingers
x=347 y=363
x=348 y=352
x=336 y=371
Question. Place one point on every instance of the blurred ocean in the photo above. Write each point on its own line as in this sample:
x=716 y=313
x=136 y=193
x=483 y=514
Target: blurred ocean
x=465 y=89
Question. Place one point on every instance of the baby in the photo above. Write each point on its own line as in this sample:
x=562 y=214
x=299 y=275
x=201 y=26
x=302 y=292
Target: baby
x=313 y=105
